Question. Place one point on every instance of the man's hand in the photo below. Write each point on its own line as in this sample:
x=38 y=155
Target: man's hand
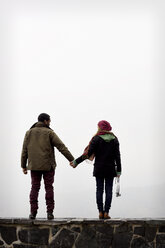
x=24 y=170
x=73 y=164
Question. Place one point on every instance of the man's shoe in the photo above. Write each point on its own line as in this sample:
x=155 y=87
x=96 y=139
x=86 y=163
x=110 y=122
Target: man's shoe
x=32 y=216
x=106 y=216
x=50 y=216
x=101 y=215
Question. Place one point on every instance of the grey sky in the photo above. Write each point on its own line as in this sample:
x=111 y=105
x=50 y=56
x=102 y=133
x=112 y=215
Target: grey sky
x=82 y=62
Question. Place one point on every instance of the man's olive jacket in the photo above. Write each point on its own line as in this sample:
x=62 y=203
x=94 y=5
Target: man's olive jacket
x=38 y=148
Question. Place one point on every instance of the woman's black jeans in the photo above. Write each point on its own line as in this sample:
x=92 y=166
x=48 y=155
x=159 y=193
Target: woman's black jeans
x=100 y=182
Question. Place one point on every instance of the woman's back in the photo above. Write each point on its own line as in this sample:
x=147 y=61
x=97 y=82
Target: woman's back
x=106 y=150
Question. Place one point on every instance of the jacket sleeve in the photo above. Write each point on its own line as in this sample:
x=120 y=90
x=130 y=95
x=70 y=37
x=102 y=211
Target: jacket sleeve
x=24 y=154
x=91 y=151
x=55 y=140
x=117 y=156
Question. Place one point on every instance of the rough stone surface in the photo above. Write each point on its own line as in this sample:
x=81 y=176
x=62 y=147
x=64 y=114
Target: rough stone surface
x=64 y=239
x=8 y=234
x=104 y=229
x=104 y=235
x=140 y=230
x=55 y=230
x=125 y=227
x=1 y=242
x=140 y=243
x=24 y=246
x=82 y=233
x=76 y=229
x=103 y=241
x=162 y=229
x=160 y=246
x=34 y=236
x=123 y=236
x=153 y=245
x=160 y=239
x=155 y=222
x=87 y=238
x=150 y=233
x=99 y=236
x=122 y=240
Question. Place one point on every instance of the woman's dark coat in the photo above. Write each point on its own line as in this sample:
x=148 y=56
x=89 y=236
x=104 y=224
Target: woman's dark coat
x=107 y=156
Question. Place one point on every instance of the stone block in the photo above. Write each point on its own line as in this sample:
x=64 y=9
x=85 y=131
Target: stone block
x=22 y=221
x=122 y=239
x=153 y=244
x=140 y=243
x=64 y=239
x=155 y=222
x=125 y=227
x=87 y=238
x=1 y=242
x=6 y=221
x=162 y=229
x=103 y=241
x=139 y=230
x=76 y=229
x=34 y=236
x=160 y=239
x=104 y=229
x=99 y=236
x=24 y=246
x=104 y=235
x=8 y=234
x=55 y=229
x=123 y=236
x=150 y=233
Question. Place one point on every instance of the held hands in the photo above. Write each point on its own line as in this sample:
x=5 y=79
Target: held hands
x=73 y=164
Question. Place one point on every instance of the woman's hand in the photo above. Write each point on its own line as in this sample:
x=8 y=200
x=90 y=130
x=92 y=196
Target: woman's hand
x=73 y=164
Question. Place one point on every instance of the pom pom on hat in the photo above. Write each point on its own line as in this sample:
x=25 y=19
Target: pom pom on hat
x=104 y=125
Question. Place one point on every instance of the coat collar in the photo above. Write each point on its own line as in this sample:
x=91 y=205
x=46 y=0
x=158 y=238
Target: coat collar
x=40 y=124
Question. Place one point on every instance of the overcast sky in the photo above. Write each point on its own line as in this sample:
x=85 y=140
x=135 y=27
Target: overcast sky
x=81 y=62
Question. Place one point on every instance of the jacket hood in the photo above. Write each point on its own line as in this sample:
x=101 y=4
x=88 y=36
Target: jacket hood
x=107 y=137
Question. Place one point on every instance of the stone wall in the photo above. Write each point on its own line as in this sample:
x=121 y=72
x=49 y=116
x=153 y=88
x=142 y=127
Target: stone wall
x=82 y=233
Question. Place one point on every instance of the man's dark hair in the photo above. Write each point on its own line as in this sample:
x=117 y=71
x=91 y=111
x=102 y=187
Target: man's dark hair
x=43 y=117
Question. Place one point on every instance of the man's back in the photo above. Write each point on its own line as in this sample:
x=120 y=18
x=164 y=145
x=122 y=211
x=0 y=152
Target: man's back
x=38 y=148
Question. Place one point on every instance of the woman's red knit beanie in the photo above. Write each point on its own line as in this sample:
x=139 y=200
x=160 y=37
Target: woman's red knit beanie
x=104 y=125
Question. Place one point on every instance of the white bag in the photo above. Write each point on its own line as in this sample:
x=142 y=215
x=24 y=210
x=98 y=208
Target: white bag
x=118 y=187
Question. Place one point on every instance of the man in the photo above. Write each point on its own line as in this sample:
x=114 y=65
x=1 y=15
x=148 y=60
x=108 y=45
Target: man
x=38 y=149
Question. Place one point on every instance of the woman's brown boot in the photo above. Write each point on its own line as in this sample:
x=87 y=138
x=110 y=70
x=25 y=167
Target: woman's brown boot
x=106 y=216
x=101 y=215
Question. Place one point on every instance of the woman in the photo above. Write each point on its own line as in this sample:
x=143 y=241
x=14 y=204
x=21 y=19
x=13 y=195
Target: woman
x=104 y=147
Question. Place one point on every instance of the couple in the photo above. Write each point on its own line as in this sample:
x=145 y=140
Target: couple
x=38 y=149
